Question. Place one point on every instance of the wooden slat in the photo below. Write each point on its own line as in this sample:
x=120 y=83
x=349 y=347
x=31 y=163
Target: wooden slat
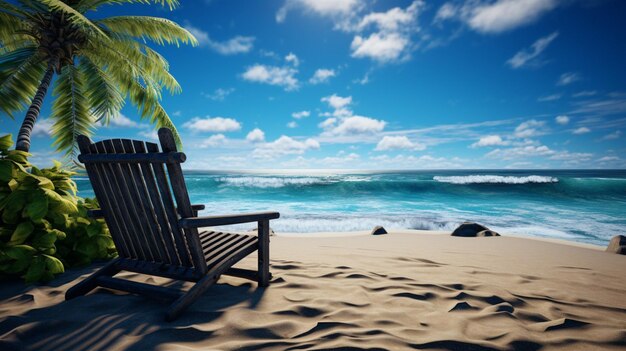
x=147 y=208
x=214 y=221
x=207 y=240
x=153 y=291
x=122 y=201
x=161 y=157
x=164 y=232
x=170 y=209
x=221 y=246
x=84 y=145
x=234 y=246
x=111 y=205
x=179 y=189
x=228 y=258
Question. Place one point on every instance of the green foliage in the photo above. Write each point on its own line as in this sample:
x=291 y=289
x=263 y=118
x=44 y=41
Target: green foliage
x=44 y=226
x=100 y=63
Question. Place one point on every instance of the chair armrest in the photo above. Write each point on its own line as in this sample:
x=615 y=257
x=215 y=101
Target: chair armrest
x=95 y=213
x=212 y=221
x=195 y=209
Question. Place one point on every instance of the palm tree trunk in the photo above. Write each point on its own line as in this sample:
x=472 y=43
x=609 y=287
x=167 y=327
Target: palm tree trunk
x=23 y=137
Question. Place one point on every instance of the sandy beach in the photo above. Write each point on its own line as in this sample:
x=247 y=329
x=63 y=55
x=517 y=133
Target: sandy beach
x=404 y=290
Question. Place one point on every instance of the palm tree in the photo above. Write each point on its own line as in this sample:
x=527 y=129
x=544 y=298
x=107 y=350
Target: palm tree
x=98 y=64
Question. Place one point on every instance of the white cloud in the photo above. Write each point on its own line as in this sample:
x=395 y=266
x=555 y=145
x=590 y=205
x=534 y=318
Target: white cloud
x=547 y=98
x=272 y=75
x=220 y=94
x=397 y=143
x=292 y=59
x=568 y=78
x=42 y=127
x=581 y=130
x=284 y=145
x=393 y=20
x=320 y=7
x=446 y=11
x=608 y=159
x=149 y=134
x=236 y=45
x=521 y=152
x=322 y=75
x=381 y=47
x=612 y=136
x=504 y=15
x=255 y=136
x=529 y=57
x=489 y=140
x=337 y=102
x=528 y=129
x=213 y=140
x=212 y=124
x=301 y=114
x=562 y=120
x=585 y=93
x=354 y=125
x=292 y=124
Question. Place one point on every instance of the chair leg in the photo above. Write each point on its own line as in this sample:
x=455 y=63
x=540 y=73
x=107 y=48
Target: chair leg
x=264 y=253
x=91 y=282
x=180 y=305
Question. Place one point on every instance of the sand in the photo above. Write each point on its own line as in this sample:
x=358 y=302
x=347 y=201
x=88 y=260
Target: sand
x=397 y=291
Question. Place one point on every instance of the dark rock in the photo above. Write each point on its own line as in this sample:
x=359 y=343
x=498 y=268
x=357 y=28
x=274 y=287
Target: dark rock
x=378 y=230
x=617 y=245
x=487 y=233
x=469 y=230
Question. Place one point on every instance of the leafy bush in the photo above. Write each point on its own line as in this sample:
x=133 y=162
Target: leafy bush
x=44 y=226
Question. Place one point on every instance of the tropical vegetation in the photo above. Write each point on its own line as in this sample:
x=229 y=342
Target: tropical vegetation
x=93 y=64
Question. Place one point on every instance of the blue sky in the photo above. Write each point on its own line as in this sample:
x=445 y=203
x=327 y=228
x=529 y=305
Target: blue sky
x=391 y=84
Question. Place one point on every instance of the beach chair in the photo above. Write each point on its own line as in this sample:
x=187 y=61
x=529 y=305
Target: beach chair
x=144 y=201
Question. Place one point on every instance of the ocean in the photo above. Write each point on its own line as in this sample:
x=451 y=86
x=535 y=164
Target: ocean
x=587 y=206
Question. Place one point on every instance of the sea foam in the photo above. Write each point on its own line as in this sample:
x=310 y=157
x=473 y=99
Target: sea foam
x=495 y=179
x=270 y=182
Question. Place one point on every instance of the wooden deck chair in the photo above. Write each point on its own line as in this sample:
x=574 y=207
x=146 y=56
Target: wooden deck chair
x=144 y=201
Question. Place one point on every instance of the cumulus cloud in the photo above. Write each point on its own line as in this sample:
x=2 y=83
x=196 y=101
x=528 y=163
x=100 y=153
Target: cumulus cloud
x=212 y=124
x=581 y=130
x=397 y=143
x=322 y=75
x=321 y=7
x=337 y=102
x=301 y=114
x=521 y=152
x=562 y=120
x=382 y=47
x=530 y=56
x=568 y=78
x=236 y=45
x=43 y=127
x=529 y=129
x=292 y=124
x=505 y=15
x=256 y=135
x=213 y=140
x=272 y=75
x=489 y=140
x=292 y=59
x=353 y=125
x=285 y=145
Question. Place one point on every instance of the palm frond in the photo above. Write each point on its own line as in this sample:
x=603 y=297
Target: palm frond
x=158 y=30
x=70 y=110
x=74 y=16
x=103 y=94
x=12 y=31
x=21 y=72
x=12 y=10
x=88 y=5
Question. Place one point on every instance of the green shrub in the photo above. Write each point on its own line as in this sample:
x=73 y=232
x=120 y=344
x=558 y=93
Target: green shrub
x=44 y=226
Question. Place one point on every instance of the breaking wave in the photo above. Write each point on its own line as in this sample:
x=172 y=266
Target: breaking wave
x=495 y=179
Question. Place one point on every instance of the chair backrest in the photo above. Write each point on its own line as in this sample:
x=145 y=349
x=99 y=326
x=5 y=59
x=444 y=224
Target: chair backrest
x=142 y=195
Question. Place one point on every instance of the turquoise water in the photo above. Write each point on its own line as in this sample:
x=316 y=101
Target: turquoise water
x=584 y=206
